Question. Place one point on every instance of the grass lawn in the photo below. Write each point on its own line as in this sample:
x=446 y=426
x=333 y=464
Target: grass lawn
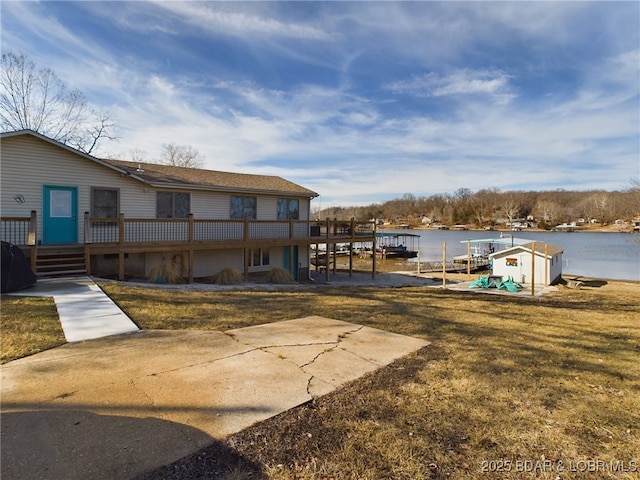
x=514 y=388
x=28 y=325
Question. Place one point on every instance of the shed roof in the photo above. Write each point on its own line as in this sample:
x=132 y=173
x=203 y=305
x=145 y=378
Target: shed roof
x=527 y=247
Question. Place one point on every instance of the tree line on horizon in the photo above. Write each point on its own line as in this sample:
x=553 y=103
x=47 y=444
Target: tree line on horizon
x=489 y=207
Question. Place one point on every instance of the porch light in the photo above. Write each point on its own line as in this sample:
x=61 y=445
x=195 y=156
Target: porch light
x=19 y=198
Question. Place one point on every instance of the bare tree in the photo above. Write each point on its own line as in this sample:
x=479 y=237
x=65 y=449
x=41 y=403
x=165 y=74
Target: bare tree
x=36 y=99
x=484 y=205
x=510 y=207
x=602 y=206
x=138 y=155
x=547 y=211
x=181 y=156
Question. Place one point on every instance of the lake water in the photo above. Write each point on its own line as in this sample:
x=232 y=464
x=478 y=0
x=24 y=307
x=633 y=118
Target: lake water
x=589 y=254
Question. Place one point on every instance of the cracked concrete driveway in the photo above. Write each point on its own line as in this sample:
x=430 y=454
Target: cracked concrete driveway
x=119 y=406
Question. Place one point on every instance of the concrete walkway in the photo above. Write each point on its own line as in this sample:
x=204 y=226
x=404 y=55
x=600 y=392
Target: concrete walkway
x=85 y=311
x=121 y=405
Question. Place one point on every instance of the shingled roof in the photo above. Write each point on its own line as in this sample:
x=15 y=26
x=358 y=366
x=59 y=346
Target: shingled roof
x=195 y=178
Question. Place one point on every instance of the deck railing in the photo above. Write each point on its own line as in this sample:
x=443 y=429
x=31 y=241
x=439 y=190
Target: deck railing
x=19 y=230
x=122 y=231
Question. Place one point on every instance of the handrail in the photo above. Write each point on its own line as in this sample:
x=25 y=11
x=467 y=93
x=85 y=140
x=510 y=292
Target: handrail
x=123 y=230
x=19 y=230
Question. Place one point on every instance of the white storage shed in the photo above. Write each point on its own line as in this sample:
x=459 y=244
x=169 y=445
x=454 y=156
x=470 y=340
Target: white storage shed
x=518 y=262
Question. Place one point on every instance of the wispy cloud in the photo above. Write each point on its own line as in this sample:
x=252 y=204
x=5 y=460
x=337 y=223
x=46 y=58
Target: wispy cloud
x=360 y=102
x=238 y=20
x=460 y=82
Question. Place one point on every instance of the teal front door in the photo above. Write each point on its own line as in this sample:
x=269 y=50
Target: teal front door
x=60 y=215
x=291 y=259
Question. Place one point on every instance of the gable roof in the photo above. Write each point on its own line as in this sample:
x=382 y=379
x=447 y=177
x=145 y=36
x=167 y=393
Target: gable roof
x=527 y=247
x=166 y=176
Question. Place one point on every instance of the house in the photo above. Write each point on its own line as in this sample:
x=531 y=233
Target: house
x=123 y=218
x=518 y=262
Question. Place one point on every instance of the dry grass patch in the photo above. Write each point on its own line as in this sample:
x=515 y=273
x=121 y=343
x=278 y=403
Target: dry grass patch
x=29 y=325
x=517 y=383
x=514 y=383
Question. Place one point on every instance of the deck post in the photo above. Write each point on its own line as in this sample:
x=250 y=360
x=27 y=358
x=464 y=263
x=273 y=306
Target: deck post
x=191 y=239
x=533 y=269
x=294 y=270
x=468 y=260
x=87 y=228
x=121 y=229
x=87 y=258
x=374 y=246
x=33 y=225
x=444 y=264
x=121 y=244
x=87 y=242
x=247 y=252
x=191 y=228
x=353 y=228
x=334 y=245
x=328 y=250
x=31 y=240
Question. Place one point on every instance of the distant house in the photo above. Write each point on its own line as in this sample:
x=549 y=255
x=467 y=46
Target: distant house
x=516 y=262
x=124 y=218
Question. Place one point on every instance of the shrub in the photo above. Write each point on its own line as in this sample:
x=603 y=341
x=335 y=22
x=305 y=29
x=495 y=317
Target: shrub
x=227 y=276
x=164 y=273
x=279 y=275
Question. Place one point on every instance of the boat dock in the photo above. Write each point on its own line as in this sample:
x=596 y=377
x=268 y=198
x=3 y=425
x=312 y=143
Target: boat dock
x=454 y=266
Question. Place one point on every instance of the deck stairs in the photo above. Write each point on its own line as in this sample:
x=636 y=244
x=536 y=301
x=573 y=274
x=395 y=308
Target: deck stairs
x=60 y=261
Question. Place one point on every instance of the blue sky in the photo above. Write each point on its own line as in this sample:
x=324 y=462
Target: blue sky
x=359 y=101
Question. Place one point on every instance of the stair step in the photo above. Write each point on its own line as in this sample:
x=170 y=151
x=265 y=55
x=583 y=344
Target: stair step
x=60 y=266
x=61 y=273
x=55 y=261
x=60 y=261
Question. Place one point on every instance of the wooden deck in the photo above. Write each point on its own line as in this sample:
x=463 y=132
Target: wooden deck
x=121 y=236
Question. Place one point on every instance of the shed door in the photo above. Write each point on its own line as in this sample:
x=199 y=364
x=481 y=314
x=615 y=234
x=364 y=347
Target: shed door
x=59 y=217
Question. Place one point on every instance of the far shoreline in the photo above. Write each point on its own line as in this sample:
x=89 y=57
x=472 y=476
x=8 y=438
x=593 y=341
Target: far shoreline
x=578 y=229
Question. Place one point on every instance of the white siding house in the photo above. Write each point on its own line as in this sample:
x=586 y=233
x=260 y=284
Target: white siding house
x=81 y=200
x=516 y=262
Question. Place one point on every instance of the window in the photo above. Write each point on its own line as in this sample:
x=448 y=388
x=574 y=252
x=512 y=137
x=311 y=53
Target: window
x=259 y=257
x=104 y=202
x=288 y=208
x=173 y=205
x=242 y=207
